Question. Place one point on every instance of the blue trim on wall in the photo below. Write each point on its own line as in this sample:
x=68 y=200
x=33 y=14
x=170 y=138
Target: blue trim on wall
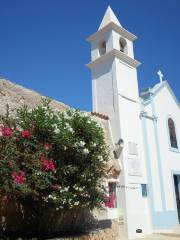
x=165 y=219
x=149 y=172
x=158 y=156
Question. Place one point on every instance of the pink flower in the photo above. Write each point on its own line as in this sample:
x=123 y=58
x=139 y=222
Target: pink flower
x=6 y=132
x=26 y=134
x=47 y=146
x=47 y=164
x=110 y=201
x=18 y=178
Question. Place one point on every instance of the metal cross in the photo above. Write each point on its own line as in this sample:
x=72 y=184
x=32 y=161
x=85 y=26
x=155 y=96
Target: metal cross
x=160 y=75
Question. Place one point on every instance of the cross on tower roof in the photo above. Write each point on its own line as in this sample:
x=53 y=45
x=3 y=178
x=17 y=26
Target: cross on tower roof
x=160 y=74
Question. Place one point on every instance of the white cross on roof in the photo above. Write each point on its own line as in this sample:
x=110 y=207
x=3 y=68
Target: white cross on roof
x=160 y=74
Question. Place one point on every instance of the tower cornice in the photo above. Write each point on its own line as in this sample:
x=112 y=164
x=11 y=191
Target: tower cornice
x=115 y=53
x=112 y=26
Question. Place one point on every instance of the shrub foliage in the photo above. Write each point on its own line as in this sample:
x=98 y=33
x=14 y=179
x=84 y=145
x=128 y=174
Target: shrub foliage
x=55 y=158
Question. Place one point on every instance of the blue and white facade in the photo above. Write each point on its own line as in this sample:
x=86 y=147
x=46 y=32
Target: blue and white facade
x=160 y=109
x=145 y=127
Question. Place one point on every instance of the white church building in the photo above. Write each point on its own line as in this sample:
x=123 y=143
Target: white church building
x=145 y=128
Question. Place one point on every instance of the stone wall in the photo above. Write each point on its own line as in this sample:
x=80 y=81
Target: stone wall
x=16 y=96
x=25 y=219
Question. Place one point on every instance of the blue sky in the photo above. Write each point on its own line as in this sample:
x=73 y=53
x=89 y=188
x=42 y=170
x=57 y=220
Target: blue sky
x=43 y=47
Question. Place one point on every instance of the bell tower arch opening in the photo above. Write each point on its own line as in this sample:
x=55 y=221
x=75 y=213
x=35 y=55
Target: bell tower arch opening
x=123 y=45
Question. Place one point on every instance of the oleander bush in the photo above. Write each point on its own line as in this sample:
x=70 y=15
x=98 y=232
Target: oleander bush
x=55 y=159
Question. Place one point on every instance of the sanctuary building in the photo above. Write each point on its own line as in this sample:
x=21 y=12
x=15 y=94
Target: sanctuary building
x=142 y=130
x=145 y=131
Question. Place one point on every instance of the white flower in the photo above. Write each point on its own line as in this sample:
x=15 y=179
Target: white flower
x=66 y=189
x=82 y=143
x=57 y=131
x=94 y=144
x=79 y=144
x=57 y=209
x=52 y=197
x=71 y=130
x=66 y=116
x=83 y=114
x=85 y=151
x=38 y=173
x=67 y=125
x=100 y=158
x=98 y=125
x=70 y=200
x=45 y=200
x=56 y=110
x=54 y=125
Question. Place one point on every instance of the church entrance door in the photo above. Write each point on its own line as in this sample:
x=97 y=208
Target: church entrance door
x=177 y=192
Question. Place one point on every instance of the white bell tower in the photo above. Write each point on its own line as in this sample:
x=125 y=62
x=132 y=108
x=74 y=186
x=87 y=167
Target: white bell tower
x=113 y=68
x=115 y=93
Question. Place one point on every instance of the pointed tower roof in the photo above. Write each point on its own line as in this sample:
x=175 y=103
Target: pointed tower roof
x=108 y=18
x=110 y=21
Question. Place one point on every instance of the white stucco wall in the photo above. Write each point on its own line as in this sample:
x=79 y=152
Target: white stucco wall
x=163 y=161
x=166 y=107
x=115 y=93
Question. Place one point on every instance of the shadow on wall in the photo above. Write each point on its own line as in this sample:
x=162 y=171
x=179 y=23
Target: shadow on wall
x=28 y=220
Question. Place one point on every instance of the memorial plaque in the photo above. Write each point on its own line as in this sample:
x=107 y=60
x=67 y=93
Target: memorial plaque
x=133 y=148
x=134 y=167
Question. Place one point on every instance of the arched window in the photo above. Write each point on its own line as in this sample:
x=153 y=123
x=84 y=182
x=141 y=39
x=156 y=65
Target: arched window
x=172 y=133
x=102 y=48
x=123 y=45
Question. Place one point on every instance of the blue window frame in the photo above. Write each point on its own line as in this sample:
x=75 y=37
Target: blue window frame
x=144 y=190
